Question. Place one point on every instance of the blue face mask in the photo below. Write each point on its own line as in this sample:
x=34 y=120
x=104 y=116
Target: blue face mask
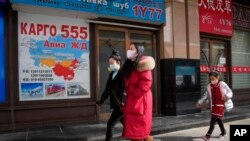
x=113 y=67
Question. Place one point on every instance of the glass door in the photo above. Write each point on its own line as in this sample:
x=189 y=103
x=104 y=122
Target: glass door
x=219 y=59
x=204 y=64
x=213 y=57
x=145 y=39
x=120 y=39
x=108 y=40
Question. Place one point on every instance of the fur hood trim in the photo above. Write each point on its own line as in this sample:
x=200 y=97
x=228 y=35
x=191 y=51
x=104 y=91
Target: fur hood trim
x=147 y=63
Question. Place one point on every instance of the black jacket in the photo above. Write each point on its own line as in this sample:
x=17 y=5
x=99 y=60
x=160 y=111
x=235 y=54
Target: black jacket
x=114 y=89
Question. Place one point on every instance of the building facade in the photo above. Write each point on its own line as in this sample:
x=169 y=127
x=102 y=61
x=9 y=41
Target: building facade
x=54 y=55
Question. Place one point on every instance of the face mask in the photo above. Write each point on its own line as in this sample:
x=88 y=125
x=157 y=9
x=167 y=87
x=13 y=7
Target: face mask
x=113 y=67
x=214 y=82
x=131 y=54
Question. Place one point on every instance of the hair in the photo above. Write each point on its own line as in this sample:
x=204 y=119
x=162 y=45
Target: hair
x=115 y=55
x=129 y=65
x=214 y=73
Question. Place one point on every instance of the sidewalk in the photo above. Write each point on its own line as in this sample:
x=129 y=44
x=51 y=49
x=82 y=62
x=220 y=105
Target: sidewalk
x=96 y=132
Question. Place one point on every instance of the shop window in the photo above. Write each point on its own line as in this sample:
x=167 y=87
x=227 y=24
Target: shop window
x=213 y=57
x=2 y=64
x=241 y=59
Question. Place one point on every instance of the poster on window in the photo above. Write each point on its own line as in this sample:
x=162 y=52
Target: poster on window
x=53 y=54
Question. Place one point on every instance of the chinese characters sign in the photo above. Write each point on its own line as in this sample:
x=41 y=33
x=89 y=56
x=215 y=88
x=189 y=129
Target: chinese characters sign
x=53 y=57
x=206 y=69
x=149 y=10
x=215 y=17
x=223 y=69
x=241 y=69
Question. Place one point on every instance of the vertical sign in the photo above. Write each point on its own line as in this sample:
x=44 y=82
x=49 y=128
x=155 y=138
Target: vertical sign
x=53 y=57
x=216 y=17
x=2 y=59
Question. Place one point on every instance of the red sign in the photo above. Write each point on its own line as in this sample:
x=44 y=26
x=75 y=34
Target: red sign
x=241 y=69
x=206 y=69
x=216 y=17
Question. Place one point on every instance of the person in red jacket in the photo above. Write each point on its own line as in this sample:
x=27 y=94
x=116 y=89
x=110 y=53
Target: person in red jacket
x=137 y=119
x=218 y=92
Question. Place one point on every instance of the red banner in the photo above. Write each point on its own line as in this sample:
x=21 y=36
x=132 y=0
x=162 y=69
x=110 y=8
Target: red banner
x=206 y=69
x=241 y=69
x=216 y=17
x=223 y=69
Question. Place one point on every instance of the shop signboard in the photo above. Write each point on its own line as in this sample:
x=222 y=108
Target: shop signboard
x=147 y=10
x=53 y=57
x=241 y=16
x=216 y=17
x=2 y=60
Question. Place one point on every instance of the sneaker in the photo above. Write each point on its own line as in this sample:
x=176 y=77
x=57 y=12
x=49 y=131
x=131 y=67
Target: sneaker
x=222 y=136
x=206 y=138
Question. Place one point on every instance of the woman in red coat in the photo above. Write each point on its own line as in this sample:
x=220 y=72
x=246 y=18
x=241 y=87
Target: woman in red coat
x=137 y=121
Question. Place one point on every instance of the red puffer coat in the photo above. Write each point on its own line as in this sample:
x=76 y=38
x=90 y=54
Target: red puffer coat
x=137 y=117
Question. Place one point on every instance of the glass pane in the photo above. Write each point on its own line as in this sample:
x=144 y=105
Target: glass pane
x=204 y=61
x=218 y=54
x=107 y=41
x=146 y=40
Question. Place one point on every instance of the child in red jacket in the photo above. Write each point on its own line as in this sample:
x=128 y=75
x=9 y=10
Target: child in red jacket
x=219 y=93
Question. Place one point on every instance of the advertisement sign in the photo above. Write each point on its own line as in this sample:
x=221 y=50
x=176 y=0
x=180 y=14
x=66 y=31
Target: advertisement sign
x=216 y=17
x=241 y=16
x=147 y=10
x=2 y=60
x=53 y=57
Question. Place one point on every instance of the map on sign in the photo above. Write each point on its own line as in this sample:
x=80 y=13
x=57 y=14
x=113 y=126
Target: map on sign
x=53 y=55
x=62 y=57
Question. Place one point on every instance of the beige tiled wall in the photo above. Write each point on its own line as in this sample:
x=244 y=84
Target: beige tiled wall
x=193 y=30
x=181 y=31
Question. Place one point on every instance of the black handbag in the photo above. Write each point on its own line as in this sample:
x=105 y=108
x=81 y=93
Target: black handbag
x=123 y=99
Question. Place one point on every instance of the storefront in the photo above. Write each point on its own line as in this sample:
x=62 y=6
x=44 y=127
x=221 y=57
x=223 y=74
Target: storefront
x=216 y=28
x=225 y=45
x=241 y=53
x=60 y=53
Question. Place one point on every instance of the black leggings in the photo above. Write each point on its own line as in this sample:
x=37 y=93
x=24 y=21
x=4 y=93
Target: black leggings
x=212 y=124
x=114 y=118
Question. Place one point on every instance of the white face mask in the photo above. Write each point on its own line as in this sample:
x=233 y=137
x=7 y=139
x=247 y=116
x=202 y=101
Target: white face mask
x=214 y=82
x=131 y=54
